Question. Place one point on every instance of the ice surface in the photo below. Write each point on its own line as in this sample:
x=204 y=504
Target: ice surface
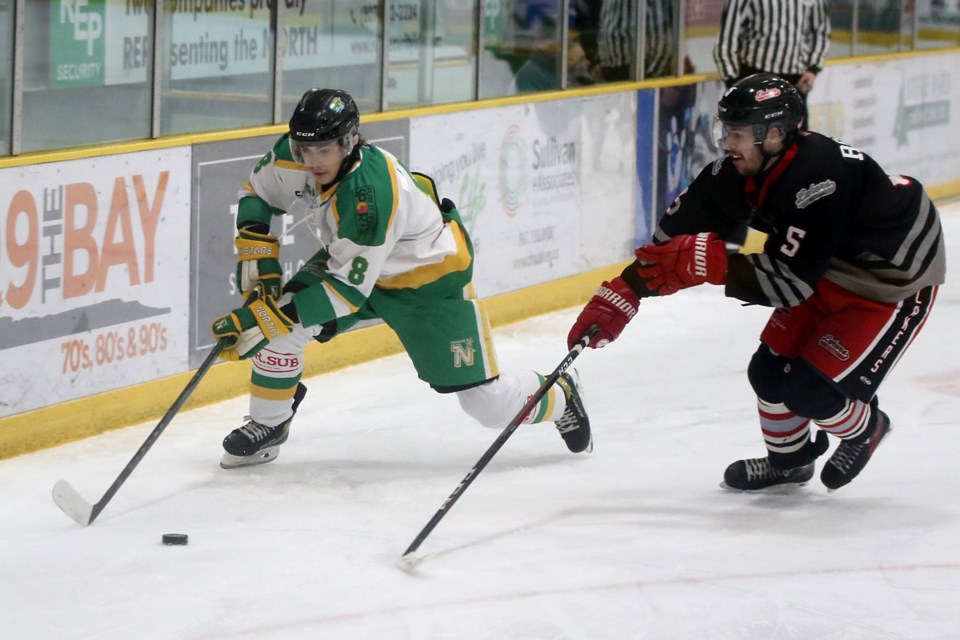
x=636 y=540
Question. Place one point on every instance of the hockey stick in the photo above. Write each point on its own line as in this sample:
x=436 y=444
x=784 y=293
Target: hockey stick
x=408 y=560
x=84 y=513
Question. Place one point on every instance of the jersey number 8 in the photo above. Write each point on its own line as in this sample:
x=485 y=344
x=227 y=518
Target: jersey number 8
x=357 y=273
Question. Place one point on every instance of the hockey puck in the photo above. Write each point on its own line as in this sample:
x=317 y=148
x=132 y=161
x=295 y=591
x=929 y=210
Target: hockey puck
x=178 y=539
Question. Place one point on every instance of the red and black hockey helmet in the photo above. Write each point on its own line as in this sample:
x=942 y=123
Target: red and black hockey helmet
x=762 y=101
x=324 y=114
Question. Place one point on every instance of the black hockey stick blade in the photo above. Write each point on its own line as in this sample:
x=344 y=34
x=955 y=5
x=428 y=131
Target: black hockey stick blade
x=409 y=560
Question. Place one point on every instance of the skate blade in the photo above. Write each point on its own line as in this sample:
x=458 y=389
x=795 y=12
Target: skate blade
x=777 y=489
x=230 y=461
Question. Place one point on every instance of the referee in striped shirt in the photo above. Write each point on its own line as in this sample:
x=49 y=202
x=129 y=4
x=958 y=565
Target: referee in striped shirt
x=789 y=38
x=618 y=23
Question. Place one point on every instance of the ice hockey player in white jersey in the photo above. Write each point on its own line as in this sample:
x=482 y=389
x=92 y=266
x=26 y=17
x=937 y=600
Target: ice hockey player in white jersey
x=388 y=248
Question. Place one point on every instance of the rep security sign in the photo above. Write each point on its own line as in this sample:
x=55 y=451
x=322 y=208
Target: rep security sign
x=77 y=43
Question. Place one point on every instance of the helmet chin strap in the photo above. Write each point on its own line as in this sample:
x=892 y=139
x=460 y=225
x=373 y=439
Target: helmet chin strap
x=353 y=139
x=353 y=154
x=769 y=158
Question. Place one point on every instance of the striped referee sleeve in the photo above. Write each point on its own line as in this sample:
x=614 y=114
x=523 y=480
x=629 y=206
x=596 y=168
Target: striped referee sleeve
x=786 y=37
x=818 y=34
x=735 y=18
x=618 y=19
x=658 y=53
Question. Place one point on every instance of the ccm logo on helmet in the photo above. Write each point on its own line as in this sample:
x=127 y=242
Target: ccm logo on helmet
x=766 y=94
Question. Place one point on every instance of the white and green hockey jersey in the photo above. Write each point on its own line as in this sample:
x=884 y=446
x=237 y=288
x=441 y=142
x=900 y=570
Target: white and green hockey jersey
x=379 y=233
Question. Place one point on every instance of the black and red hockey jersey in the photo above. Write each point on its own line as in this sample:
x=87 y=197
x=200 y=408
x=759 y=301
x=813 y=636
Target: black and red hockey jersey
x=830 y=211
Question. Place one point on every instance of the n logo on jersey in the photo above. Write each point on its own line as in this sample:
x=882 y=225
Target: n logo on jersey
x=463 y=353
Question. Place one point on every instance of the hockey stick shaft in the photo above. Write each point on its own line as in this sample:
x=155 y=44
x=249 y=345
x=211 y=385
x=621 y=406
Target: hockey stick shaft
x=61 y=492
x=84 y=513
x=501 y=439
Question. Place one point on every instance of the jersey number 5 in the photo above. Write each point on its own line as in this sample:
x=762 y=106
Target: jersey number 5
x=792 y=245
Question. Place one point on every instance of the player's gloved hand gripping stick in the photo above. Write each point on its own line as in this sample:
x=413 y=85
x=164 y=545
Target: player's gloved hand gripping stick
x=84 y=513
x=681 y=262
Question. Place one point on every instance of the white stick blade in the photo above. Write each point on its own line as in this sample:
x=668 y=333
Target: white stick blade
x=409 y=562
x=71 y=503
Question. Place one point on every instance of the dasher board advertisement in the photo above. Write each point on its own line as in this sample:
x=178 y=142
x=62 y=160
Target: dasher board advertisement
x=902 y=112
x=514 y=173
x=93 y=275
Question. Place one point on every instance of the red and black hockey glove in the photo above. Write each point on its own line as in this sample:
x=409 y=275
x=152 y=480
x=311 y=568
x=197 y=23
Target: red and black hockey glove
x=683 y=261
x=612 y=307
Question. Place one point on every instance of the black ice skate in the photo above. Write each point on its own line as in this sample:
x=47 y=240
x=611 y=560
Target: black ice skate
x=788 y=469
x=852 y=456
x=574 y=425
x=255 y=443
x=754 y=474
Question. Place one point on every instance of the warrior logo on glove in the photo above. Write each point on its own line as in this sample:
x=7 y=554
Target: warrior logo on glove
x=683 y=261
x=611 y=308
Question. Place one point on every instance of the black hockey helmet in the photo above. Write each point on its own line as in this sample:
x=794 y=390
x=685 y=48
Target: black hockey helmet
x=763 y=101
x=323 y=115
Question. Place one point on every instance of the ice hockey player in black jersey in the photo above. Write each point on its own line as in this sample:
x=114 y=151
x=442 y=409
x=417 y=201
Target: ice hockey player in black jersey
x=851 y=266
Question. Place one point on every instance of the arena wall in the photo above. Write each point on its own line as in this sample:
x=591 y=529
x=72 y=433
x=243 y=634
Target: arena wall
x=114 y=260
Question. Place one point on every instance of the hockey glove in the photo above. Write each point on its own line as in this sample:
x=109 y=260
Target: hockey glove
x=258 y=263
x=612 y=307
x=683 y=261
x=248 y=329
